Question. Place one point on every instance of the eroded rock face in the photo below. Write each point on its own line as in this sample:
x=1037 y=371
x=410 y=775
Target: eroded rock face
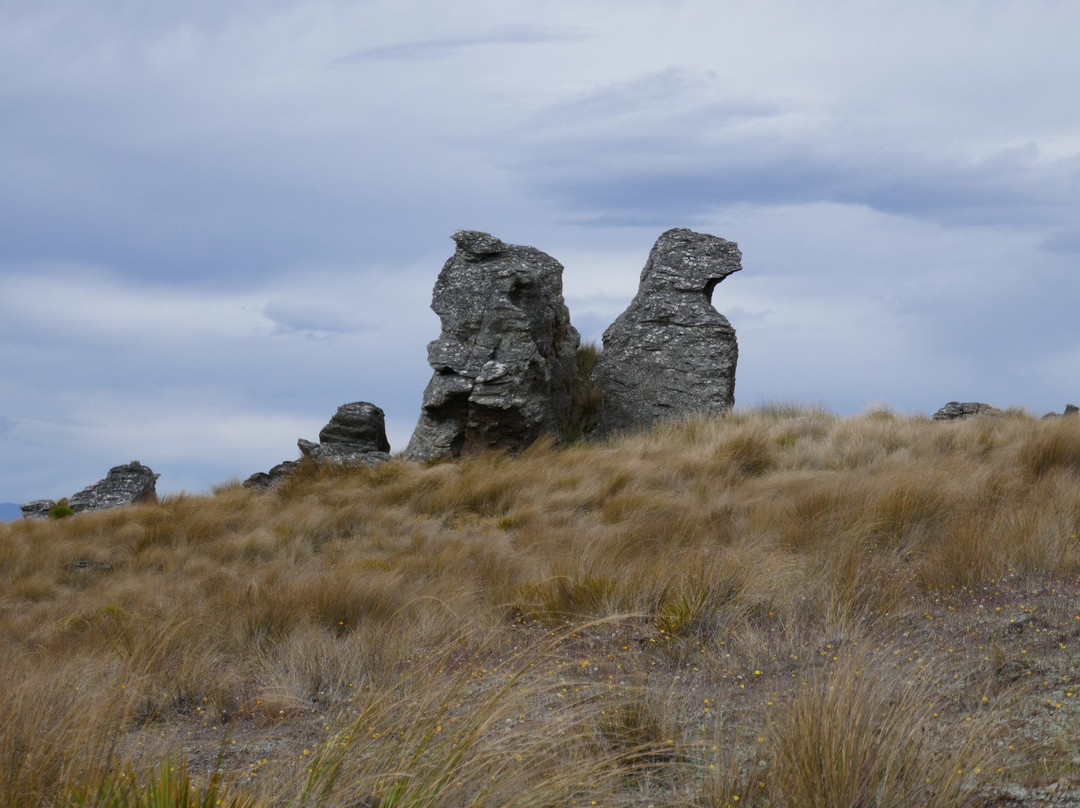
x=123 y=485
x=506 y=358
x=671 y=353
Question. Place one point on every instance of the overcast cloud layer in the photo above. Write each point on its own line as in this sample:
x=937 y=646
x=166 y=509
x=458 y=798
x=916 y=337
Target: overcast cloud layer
x=221 y=220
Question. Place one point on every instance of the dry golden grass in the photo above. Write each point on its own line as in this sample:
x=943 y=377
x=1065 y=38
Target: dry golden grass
x=778 y=606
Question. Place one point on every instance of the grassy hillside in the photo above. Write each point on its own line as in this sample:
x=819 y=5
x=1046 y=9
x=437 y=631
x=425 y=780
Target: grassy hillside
x=772 y=608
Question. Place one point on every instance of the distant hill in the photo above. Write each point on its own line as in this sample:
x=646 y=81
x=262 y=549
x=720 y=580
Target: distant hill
x=9 y=511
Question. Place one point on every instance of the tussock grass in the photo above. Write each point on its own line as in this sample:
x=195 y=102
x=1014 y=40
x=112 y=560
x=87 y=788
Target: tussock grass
x=855 y=736
x=778 y=605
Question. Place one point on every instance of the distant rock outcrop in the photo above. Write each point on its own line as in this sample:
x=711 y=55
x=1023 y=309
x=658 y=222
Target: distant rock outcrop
x=965 y=409
x=505 y=362
x=355 y=436
x=671 y=353
x=123 y=485
x=1070 y=409
x=38 y=509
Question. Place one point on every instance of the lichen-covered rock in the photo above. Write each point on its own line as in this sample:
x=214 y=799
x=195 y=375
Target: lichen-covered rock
x=123 y=485
x=965 y=409
x=505 y=361
x=671 y=353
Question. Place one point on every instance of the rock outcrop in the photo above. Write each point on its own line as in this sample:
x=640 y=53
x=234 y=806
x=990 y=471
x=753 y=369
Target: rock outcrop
x=38 y=509
x=965 y=409
x=1070 y=410
x=505 y=362
x=123 y=485
x=266 y=479
x=671 y=353
x=355 y=436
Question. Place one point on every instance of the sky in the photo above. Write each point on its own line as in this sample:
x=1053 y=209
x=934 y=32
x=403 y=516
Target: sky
x=222 y=219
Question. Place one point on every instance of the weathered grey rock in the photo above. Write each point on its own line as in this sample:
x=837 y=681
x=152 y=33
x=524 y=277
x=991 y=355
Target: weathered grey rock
x=360 y=427
x=671 y=353
x=505 y=362
x=263 y=479
x=355 y=436
x=965 y=409
x=123 y=485
x=38 y=509
x=339 y=454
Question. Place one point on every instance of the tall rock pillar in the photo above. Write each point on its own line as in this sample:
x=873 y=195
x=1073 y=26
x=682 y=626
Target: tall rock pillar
x=505 y=362
x=671 y=353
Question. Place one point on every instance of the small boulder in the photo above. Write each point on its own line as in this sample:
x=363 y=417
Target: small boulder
x=123 y=485
x=965 y=409
x=671 y=353
x=359 y=428
x=505 y=361
x=38 y=509
x=355 y=435
x=263 y=479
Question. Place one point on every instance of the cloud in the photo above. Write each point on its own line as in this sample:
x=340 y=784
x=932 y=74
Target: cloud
x=316 y=320
x=199 y=384
x=1064 y=240
x=612 y=162
x=444 y=47
x=693 y=91
x=63 y=300
x=206 y=219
